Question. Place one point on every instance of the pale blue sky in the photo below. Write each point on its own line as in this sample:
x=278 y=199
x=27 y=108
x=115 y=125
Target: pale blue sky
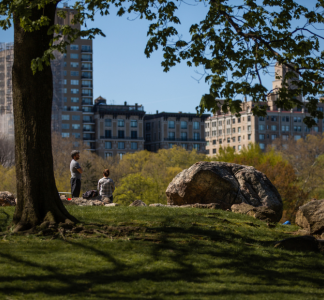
x=123 y=73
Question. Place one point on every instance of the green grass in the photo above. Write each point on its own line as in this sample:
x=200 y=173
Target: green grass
x=183 y=254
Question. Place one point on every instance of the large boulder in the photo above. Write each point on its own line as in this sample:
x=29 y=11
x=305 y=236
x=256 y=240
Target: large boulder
x=7 y=199
x=138 y=203
x=225 y=184
x=311 y=216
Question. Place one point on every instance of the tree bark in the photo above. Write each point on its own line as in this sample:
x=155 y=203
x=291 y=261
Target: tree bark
x=38 y=198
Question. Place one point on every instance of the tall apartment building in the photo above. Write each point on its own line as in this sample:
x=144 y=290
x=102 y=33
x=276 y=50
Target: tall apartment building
x=118 y=128
x=165 y=130
x=223 y=130
x=77 y=115
x=6 y=105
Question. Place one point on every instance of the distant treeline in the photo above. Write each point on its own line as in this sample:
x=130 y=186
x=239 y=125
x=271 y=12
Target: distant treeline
x=295 y=168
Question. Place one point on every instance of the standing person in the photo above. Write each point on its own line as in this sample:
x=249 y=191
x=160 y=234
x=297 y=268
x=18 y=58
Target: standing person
x=76 y=172
x=106 y=186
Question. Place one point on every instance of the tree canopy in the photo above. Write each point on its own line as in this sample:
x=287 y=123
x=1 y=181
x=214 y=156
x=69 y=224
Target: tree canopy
x=235 y=43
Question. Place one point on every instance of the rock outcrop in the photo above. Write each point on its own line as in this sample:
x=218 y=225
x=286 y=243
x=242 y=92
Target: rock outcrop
x=225 y=184
x=311 y=216
x=7 y=199
x=300 y=243
x=138 y=203
x=262 y=213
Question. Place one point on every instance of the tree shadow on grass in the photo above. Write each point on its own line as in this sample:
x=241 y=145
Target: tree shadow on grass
x=194 y=264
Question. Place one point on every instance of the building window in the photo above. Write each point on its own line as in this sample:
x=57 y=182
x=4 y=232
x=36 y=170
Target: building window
x=121 y=155
x=220 y=132
x=249 y=137
x=273 y=127
x=285 y=137
x=196 y=136
x=315 y=128
x=65 y=134
x=273 y=136
x=206 y=134
x=74 y=91
x=228 y=140
x=76 y=126
x=121 y=134
x=261 y=127
x=64 y=73
x=261 y=146
x=233 y=121
x=214 y=142
x=74 y=47
x=238 y=138
x=108 y=134
x=65 y=126
x=273 y=118
x=214 y=151
x=239 y=130
x=121 y=145
x=134 y=134
x=261 y=118
x=108 y=154
x=297 y=137
x=220 y=141
x=171 y=124
x=74 y=108
x=133 y=145
x=74 y=65
x=76 y=135
x=239 y=147
x=64 y=81
x=261 y=136
x=148 y=137
x=171 y=145
x=76 y=117
x=228 y=130
x=285 y=127
x=184 y=125
x=220 y=123
x=285 y=119
x=148 y=126
x=195 y=125
x=65 y=99
x=86 y=48
x=238 y=120
x=107 y=122
x=183 y=136
x=108 y=145
x=133 y=123
x=249 y=128
x=74 y=56
x=64 y=90
x=213 y=124
x=121 y=123
x=249 y=118
x=233 y=130
x=196 y=146
x=214 y=133
x=228 y=122
x=75 y=99
x=74 y=73
x=233 y=139
x=65 y=117
x=171 y=135
x=297 y=128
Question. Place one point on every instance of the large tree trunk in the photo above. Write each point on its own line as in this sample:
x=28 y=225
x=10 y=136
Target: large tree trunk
x=38 y=198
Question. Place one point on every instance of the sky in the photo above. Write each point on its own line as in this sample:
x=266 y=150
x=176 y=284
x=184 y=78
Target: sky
x=123 y=73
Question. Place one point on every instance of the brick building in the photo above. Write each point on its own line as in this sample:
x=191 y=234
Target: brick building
x=164 y=130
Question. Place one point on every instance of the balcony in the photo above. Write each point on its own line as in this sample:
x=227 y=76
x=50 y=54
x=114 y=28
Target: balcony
x=69 y=109
x=86 y=76
x=87 y=50
x=87 y=86
x=86 y=102
x=86 y=59
x=86 y=68
x=91 y=121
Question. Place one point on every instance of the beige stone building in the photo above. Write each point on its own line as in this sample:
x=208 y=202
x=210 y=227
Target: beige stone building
x=118 y=129
x=223 y=130
x=165 y=130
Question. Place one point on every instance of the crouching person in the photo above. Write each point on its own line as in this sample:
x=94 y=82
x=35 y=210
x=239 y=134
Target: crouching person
x=106 y=187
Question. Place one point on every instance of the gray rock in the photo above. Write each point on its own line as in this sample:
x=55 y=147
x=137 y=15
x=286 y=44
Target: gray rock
x=138 y=203
x=225 y=184
x=112 y=204
x=7 y=199
x=300 y=243
x=311 y=216
x=157 y=204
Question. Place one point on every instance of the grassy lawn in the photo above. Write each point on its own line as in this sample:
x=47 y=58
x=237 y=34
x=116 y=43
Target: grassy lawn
x=158 y=253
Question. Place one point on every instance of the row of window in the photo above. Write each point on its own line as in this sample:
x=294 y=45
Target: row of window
x=83 y=47
x=67 y=134
x=86 y=83
x=76 y=91
x=171 y=125
x=76 y=74
x=185 y=146
x=121 y=134
x=287 y=128
x=239 y=148
x=87 y=57
x=171 y=136
x=228 y=121
x=285 y=119
x=233 y=139
x=121 y=145
x=120 y=123
x=67 y=117
x=84 y=66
